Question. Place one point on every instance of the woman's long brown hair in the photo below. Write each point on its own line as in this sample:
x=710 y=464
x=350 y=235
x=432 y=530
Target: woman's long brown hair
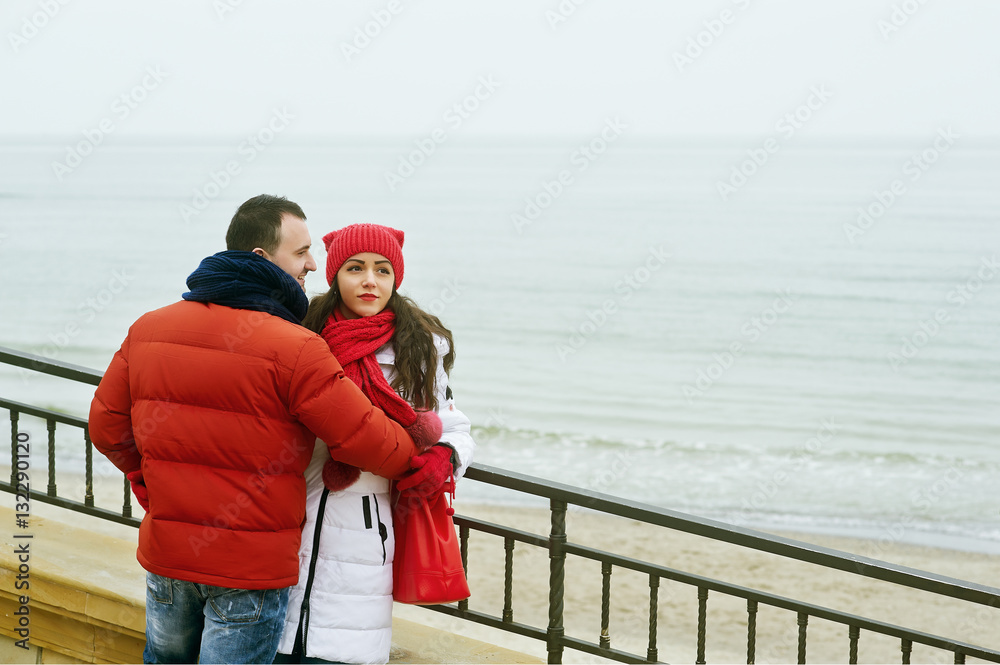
x=413 y=342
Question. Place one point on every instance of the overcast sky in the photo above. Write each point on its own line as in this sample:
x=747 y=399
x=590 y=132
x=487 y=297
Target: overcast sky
x=219 y=68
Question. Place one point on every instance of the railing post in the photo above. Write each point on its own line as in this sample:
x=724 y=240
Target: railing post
x=906 y=646
x=605 y=641
x=463 y=537
x=803 y=621
x=557 y=580
x=702 y=623
x=853 y=632
x=127 y=504
x=88 y=497
x=751 y=632
x=51 y=426
x=652 y=654
x=508 y=580
x=14 y=417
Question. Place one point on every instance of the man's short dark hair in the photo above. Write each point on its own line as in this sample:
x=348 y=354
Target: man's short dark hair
x=257 y=223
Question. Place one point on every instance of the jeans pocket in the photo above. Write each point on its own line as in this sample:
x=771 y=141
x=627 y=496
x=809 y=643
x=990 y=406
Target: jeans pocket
x=237 y=605
x=159 y=589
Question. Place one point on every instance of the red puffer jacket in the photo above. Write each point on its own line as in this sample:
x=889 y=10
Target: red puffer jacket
x=221 y=407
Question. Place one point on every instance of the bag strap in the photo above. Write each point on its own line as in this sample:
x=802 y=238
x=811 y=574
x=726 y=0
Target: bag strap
x=450 y=492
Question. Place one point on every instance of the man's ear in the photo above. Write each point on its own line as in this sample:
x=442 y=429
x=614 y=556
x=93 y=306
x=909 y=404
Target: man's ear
x=260 y=252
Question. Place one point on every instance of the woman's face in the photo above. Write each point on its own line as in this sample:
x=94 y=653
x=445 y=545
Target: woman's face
x=365 y=283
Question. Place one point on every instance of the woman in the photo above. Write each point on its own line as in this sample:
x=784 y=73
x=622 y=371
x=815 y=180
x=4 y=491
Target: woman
x=400 y=356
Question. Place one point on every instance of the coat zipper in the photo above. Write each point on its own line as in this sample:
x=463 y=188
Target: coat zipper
x=383 y=531
x=304 y=611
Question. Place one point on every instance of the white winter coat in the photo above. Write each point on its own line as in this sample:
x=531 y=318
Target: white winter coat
x=349 y=617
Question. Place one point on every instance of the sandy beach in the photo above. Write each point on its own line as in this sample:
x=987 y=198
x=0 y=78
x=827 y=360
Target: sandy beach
x=727 y=617
x=678 y=605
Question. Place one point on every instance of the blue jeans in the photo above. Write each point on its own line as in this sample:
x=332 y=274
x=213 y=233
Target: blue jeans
x=192 y=623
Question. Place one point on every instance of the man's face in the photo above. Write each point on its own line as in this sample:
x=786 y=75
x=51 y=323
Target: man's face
x=293 y=255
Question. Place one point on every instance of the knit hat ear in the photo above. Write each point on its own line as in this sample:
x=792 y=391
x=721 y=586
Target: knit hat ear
x=328 y=239
x=398 y=234
x=357 y=238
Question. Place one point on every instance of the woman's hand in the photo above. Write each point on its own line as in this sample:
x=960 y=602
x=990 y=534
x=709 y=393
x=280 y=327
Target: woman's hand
x=432 y=473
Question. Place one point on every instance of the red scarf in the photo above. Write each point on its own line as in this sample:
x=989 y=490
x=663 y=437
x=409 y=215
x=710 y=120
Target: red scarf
x=354 y=343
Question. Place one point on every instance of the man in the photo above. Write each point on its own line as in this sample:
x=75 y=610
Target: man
x=212 y=407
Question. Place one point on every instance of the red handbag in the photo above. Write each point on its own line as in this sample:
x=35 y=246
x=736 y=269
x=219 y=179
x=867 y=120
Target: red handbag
x=427 y=564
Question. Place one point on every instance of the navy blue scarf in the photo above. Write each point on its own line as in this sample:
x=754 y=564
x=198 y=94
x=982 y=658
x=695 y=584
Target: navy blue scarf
x=244 y=280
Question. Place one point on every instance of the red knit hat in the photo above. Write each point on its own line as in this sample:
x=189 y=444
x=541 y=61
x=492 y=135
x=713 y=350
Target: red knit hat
x=357 y=238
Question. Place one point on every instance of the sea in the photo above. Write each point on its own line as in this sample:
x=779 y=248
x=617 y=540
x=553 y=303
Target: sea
x=804 y=339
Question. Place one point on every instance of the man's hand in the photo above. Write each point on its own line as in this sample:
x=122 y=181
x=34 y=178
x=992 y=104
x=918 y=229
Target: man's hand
x=139 y=488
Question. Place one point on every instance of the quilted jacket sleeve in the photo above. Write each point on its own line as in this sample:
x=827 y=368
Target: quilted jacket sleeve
x=336 y=411
x=456 y=429
x=110 y=422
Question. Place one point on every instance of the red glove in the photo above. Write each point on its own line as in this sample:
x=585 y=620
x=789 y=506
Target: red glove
x=139 y=488
x=426 y=431
x=432 y=475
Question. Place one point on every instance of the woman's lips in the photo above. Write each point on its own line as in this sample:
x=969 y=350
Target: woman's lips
x=368 y=297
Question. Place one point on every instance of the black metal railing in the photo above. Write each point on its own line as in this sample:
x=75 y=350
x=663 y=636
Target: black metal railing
x=558 y=546
x=52 y=419
x=561 y=496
